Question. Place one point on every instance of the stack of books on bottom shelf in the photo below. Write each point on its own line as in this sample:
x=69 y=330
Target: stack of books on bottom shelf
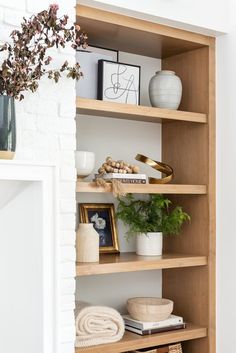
x=124 y=178
x=147 y=328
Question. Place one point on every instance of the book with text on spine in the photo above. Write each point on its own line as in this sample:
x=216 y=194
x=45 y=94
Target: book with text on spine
x=122 y=176
x=155 y=330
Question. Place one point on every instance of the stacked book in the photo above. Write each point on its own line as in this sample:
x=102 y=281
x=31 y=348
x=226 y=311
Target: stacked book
x=146 y=328
x=124 y=178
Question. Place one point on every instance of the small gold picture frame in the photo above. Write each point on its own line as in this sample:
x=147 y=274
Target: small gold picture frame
x=102 y=215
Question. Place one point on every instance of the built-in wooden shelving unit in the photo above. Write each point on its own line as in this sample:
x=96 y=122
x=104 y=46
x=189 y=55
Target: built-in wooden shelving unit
x=95 y=107
x=145 y=188
x=130 y=262
x=132 y=341
x=188 y=145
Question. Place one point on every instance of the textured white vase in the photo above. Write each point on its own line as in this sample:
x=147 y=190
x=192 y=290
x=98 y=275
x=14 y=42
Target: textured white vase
x=165 y=90
x=87 y=243
x=84 y=162
x=149 y=244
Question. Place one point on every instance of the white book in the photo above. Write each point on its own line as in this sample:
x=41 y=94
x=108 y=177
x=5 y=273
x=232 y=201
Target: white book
x=156 y=329
x=172 y=320
x=122 y=176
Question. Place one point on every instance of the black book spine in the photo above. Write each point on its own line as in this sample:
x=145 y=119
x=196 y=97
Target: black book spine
x=100 y=80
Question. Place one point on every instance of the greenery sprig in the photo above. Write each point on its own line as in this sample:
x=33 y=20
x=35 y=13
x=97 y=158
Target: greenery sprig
x=26 y=60
x=152 y=215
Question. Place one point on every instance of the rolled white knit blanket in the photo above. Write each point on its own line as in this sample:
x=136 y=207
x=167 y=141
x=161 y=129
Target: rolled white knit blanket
x=97 y=325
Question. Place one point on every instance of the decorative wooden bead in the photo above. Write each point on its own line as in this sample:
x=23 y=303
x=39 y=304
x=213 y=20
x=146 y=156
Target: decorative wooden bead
x=108 y=160
x=101 y=170
x=135 y=169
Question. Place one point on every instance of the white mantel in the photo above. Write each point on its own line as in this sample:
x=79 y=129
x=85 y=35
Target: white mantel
x=29 y=245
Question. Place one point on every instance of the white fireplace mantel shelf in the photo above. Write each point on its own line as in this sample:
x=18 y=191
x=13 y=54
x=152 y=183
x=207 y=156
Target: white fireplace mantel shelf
x=22 y=173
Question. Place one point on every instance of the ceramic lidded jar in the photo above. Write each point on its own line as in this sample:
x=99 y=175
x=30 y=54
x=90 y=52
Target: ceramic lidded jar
x=165 y=90
x=87 y=243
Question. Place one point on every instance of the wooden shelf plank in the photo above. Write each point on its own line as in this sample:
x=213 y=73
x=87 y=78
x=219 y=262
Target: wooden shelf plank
x=145 y=188
x=95 y=107
x=132 y=341
x=130 y=262
x=124 y=33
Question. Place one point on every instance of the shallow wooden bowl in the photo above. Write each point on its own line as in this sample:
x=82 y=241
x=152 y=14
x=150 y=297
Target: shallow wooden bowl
x=149 y=309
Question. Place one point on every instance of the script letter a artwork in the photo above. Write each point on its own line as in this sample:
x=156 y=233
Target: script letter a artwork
x=119 y=82
x=122 y=85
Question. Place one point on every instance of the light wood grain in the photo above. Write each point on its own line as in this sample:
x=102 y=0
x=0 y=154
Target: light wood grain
x=190 y=150
x=144 y=188
x=124 y=33
x=212 y=201
x=132 y=341
x=130 y=262
x=95 y=107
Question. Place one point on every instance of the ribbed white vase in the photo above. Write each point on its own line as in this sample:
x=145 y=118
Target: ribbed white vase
x=87 y=243
x=149 y=244
x=165 y=90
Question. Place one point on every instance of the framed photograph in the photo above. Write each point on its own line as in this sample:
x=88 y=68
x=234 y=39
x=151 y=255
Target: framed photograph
x=86 y=86
x=103 y=218
x=118 y=82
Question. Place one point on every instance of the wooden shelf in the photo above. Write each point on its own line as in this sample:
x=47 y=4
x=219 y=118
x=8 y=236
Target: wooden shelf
x=132 y=341
x=130 y=262
x=188 y=145
x=124 y=33
x=145 y=188
x=95 y=107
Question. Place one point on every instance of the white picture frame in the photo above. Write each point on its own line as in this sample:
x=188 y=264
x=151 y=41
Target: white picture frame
x=86 y=86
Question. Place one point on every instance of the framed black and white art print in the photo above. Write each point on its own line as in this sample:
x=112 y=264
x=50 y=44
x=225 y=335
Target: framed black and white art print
x=118 y=82
x=103 y=218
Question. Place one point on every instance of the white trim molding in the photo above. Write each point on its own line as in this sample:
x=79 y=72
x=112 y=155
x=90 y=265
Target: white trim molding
x=23 y=174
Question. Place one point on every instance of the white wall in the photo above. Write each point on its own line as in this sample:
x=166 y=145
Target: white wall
x=226 y=186
x=206 y=16
x=121 y=140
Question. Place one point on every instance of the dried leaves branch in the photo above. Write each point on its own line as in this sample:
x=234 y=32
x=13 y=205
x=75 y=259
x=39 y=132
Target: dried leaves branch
x=26 y=60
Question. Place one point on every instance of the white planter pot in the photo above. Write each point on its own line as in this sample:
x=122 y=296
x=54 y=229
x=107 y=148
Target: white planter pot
x=165 y=90
x=149 y=244
x=87 y=243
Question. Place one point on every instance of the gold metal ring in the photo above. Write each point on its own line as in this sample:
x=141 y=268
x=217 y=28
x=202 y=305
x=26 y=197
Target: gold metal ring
x=160 y=167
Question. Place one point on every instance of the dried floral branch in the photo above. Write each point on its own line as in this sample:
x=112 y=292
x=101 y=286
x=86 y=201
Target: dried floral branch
x=27 y=60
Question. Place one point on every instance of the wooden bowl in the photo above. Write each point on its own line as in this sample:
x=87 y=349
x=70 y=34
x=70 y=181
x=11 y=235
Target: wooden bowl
x=149 y=309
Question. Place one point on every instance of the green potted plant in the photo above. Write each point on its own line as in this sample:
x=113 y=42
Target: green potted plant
x=148 y=220
x=24 y=61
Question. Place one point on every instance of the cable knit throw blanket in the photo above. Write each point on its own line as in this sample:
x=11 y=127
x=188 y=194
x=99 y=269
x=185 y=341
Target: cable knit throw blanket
x=97 y=325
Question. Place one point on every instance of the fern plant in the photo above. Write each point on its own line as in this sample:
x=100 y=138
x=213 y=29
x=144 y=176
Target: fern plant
x=151 y=215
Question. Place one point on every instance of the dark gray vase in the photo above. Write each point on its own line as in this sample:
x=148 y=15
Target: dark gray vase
x=7 y=127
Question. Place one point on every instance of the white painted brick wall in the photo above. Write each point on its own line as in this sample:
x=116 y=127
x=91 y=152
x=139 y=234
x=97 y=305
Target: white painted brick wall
x=46 y=132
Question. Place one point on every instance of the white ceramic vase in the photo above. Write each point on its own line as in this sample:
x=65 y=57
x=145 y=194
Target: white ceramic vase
x=149 y=244
x=165 y=90
x=87 y=243
x=84 y=162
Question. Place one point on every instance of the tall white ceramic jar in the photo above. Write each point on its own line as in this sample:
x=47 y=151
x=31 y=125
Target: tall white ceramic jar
x=165 y=90
x=149 y=244
x=87 y=243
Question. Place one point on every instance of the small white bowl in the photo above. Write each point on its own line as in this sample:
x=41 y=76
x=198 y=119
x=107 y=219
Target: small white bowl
x=84 y=162
x=149 y=309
